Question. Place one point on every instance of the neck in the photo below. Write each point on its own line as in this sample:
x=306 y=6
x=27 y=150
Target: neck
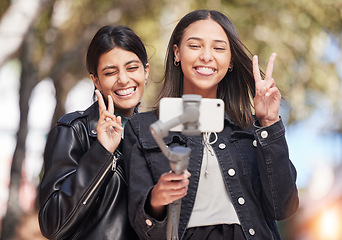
x=205 y=93
x=125 y=112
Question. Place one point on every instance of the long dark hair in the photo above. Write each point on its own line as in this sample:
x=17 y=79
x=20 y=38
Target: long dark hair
x=109 y=37
x=236 y=89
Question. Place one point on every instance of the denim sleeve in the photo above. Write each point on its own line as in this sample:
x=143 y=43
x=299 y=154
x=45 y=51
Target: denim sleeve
x=278 y=174
x=140 y=183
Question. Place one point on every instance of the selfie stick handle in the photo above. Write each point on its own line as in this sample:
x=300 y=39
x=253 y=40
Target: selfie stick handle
x=178 y=156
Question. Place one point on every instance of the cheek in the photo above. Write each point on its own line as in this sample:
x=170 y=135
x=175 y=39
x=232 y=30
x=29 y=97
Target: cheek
x=107 y=83
x=186 y=56
x=189 y=58
x=223 y=60
x=186 y=64
x=224 y=63
x=138 y=77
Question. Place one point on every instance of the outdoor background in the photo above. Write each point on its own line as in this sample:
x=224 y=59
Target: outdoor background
x=42 y=76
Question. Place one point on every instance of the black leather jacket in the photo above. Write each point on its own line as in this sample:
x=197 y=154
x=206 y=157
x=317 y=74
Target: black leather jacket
x=83 y=194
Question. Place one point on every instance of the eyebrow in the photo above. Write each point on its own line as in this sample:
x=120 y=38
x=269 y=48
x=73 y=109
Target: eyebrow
x=114 y=67
x=200 y=39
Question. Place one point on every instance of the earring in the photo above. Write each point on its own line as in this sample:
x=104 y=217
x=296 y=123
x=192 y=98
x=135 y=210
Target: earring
x=231 y=66
x=175 y=63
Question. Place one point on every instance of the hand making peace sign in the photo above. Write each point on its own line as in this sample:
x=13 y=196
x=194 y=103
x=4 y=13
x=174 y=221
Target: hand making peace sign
x=109 y=127
x=267 y=95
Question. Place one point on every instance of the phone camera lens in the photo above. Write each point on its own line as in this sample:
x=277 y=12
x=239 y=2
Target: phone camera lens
x=219 y=104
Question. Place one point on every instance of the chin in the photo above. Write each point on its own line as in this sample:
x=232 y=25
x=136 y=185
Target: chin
x=128 y=105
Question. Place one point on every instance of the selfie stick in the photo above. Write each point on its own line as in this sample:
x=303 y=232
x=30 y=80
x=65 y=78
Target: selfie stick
x=178 y=156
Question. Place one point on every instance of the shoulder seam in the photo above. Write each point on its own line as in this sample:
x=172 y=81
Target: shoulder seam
x=68 y=118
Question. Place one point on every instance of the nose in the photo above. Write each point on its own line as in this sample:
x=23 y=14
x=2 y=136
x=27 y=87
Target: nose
x=206 y=55
x=123 y=77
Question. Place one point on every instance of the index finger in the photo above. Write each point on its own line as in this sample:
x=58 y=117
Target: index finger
x=171 y=176
x=102 y=105
x=269 y=69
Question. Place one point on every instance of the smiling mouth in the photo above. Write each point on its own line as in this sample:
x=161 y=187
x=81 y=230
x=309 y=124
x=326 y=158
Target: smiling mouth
x=205 y=70
x=125 y=92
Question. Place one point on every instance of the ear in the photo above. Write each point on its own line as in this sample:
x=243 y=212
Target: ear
x=147 y=71
x=231 y=65
x=96 y=82
x=176 y=53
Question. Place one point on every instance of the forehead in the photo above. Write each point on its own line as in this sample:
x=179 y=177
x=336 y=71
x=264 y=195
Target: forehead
x=206 y=30
x=117 y=56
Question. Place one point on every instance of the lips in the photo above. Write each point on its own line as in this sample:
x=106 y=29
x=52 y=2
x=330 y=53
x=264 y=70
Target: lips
x=205 y=70
x=125 y=92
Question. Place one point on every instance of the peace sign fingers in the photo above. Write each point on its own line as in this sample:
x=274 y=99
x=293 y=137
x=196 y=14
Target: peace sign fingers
x=109 y=127
x=267 y=95
x=262 y=86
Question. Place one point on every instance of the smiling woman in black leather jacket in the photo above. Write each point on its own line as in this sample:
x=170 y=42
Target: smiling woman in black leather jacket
x=83 y=193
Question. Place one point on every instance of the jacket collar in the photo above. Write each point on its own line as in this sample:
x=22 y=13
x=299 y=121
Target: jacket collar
x=93 y=117
x=227 y=119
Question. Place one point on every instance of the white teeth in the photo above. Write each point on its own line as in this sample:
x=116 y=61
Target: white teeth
x=124 y=92
x=205 y=70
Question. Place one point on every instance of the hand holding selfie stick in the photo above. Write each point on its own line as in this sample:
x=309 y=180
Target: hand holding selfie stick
x=178 y=156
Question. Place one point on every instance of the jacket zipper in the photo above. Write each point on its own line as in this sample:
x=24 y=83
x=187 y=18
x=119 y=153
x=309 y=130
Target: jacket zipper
x=111 y=165
x=83 y=224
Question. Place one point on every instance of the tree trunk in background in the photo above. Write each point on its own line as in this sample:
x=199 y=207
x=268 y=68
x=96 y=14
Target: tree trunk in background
x=60 y=101
x=28 y=80
x=65 y=82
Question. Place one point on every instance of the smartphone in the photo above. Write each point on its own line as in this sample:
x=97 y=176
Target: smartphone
x=211 y=113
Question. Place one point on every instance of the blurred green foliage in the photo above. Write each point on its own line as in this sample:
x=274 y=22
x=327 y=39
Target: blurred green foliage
x=299 y=31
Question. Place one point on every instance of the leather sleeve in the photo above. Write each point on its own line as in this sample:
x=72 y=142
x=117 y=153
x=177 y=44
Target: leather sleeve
x=75 y=168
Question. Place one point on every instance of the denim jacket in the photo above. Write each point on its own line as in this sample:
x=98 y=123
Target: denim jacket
x=254 y=163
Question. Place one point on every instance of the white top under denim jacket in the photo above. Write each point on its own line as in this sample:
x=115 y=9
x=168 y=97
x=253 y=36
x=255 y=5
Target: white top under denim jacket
x=255 y=165
x=213 y=203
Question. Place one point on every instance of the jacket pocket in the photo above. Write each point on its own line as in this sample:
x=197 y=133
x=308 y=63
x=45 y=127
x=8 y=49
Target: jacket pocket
x=243 y=142
x=155 y=159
